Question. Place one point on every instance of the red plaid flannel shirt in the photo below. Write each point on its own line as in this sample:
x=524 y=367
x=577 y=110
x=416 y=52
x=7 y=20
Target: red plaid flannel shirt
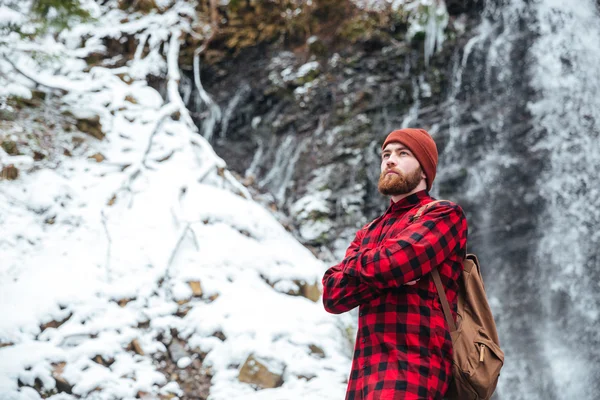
x=403 y=347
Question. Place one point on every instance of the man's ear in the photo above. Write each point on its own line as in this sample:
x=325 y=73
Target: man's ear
x=423 y=176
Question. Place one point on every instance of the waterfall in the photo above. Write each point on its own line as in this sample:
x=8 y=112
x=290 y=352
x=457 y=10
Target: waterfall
x=242 y=93
x=279 y=177
x=565 y=76
x=521 y=154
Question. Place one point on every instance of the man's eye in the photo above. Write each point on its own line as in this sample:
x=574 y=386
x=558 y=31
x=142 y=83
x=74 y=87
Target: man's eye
x=404 y=153
x=384 y=156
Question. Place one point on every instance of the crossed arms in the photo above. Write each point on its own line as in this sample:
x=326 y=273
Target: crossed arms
x=423 y=245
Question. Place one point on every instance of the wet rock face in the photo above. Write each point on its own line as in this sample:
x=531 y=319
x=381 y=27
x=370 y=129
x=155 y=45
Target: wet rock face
x=307 y=129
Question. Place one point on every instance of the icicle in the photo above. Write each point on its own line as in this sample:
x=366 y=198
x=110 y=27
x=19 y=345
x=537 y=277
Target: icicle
x=252 y=170
x=231 y=108
x=437 y=20
x=214 y=109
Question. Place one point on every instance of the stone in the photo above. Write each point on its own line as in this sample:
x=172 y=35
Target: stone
x=135 y=346
x=10 y=147
x=10 y=172
x=91 y=126
x=99 y=360
x=310 y=291
x=183 y=309
x=316 y=351
x=98 y=157
x=62 y=385
x=123 y=302
x=7 y=115
x=306 y=377
x=183 y=301
x=196 y=288
x=102 y=361
x=177 y=351
x=54 y=324
x=261 y=373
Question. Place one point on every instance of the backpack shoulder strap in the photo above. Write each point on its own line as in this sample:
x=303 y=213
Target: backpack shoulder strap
x=424 y=208
x=442 y=293
x=435 y=273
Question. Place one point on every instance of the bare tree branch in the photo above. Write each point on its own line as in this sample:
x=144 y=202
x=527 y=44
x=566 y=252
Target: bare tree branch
x=108 y=248
x=174 y=252
x=165 y=112
x=167 y=275
x=213 y=108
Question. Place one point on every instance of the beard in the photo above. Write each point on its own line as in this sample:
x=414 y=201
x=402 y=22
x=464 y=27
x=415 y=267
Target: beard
x=394 y=185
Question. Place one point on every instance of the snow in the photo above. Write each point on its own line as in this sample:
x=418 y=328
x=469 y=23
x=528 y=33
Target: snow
x=289 y=75
x=131 y=232
x=10 y=17
x=184 y=362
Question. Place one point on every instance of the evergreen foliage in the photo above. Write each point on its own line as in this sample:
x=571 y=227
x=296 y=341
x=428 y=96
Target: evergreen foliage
x=58 y=14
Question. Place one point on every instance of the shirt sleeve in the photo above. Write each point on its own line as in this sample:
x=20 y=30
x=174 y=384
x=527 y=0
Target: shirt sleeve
x=342 y=292
x=413 y=252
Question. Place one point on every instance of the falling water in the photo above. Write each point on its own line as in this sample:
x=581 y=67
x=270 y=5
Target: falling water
x=279 y=177
x=565 y=75
x=241 y=94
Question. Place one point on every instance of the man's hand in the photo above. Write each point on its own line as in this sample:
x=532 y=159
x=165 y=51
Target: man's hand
x=412 y=282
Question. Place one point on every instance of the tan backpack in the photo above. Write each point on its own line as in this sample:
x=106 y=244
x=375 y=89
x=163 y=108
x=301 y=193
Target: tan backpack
x=477 y=355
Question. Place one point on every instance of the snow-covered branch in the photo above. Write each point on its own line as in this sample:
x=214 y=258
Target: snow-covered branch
x=30 y=76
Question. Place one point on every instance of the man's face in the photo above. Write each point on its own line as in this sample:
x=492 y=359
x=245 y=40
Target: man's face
x=401 y=173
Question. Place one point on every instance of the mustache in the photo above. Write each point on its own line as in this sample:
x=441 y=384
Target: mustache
x=388 y=170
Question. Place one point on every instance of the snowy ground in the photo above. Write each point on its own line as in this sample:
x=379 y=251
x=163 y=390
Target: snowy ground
x=101 y=258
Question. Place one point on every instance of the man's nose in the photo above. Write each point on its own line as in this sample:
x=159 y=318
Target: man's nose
x=390 y=162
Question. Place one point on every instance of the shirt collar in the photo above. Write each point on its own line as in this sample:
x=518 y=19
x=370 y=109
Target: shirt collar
x=410 y=201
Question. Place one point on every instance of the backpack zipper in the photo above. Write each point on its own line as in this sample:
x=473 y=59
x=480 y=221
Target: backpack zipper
x=481 y=349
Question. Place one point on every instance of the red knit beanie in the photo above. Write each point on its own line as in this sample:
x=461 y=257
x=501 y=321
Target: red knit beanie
x=421 y=144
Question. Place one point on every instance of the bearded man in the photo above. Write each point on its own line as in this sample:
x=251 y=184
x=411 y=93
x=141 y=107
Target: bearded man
x=403 y=347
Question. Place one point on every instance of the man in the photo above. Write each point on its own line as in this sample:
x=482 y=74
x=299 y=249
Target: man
x=403 y=347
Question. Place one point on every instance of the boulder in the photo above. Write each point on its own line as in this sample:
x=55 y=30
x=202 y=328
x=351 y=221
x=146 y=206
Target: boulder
x=62 y=385
x=10 y=146
x=91 y=125
x=316 y=351
x=310 y=290
x=261 y=373
x=196 y=288
x=9 y=172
